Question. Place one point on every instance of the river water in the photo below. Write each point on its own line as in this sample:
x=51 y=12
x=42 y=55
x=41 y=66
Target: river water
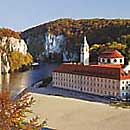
x=17 y=81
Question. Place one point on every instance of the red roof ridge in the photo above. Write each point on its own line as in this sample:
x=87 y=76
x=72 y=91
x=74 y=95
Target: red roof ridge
x=111 y=54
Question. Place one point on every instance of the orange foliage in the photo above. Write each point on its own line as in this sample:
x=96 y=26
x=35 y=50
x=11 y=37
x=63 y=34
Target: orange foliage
x=13 y=113
x=9 y=33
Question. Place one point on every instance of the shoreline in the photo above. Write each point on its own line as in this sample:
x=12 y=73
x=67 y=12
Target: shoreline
x=54 y=91
x=64 y=113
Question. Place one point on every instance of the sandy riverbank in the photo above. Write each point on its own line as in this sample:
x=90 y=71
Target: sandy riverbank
x=72 y=114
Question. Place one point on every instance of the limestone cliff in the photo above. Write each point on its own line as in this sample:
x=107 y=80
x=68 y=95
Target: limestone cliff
x=8 y=46
x=98 y=31
x=57 y=45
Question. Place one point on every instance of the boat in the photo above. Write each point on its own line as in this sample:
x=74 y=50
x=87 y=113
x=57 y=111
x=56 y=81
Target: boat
x=35 y=64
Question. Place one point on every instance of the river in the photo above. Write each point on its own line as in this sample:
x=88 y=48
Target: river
x=17 y=81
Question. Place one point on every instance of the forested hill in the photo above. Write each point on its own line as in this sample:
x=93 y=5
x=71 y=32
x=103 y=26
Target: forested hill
x=97 y=30
x=5 y=32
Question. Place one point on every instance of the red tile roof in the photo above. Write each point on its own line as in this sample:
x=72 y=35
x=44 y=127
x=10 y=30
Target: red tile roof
x=111 y=54
x=102 y=71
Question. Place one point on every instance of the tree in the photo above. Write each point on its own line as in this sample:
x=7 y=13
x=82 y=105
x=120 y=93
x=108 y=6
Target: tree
x=13 y=113
x=17 y=59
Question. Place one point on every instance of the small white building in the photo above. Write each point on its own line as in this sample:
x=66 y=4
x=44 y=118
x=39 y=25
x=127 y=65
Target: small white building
x=111 y=57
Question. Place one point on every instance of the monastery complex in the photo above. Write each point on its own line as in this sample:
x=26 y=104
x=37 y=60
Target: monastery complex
x=110 y=77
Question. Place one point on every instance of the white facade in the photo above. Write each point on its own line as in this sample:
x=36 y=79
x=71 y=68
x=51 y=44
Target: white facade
x=87 y=84
x=124 y=87
x=111 y=61
x=84 y=55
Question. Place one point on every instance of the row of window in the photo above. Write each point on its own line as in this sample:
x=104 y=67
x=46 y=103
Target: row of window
x=88 y=83
x=125 y=94
x=125 y=88
x=74 y=77
x=123 y=82
x=91 y=84
x=91 y=90
x=109 y=60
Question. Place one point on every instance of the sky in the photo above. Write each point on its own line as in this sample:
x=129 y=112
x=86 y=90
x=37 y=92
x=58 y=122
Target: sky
x=22 y=14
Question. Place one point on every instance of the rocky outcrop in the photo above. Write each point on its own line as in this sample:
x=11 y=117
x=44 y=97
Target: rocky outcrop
x=17 y=45
x=8 y=45
x=54 y=44
x=13 y=44
x=57 y=45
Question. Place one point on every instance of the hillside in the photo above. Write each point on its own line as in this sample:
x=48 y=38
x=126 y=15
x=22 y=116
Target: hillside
x=97 y=31
x=5 y=32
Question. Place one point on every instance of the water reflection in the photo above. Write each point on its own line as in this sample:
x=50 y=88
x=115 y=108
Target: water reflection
x=17 y=81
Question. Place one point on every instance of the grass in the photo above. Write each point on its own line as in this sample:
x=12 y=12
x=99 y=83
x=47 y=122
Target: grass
x=120 y=104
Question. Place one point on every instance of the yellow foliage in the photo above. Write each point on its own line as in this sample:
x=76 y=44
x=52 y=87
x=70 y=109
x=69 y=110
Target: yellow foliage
x=95 y=47
x=17 y=60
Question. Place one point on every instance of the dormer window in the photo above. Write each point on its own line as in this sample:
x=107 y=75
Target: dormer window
x=120 y=60
x=115 y=60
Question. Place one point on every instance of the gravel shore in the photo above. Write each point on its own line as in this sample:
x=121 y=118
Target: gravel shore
x=73 y=114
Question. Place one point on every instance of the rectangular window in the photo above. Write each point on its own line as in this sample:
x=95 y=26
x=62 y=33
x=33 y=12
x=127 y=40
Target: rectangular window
x=123 y=88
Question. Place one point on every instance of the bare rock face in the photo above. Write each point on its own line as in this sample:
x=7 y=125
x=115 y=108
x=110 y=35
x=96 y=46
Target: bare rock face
x=56 y=44
x=5 y=67
x=17 y=45
x=53 y=44
x=9 y=45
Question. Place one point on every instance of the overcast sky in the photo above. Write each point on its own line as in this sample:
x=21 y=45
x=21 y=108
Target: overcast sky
x=21 y=14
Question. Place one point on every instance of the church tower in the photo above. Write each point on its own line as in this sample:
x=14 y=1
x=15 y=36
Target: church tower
x=84 y=53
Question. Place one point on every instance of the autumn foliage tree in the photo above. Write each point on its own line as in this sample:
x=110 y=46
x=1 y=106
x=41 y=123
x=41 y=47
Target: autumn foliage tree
x=13 y=113
x=17 y=60
x=5 y=32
